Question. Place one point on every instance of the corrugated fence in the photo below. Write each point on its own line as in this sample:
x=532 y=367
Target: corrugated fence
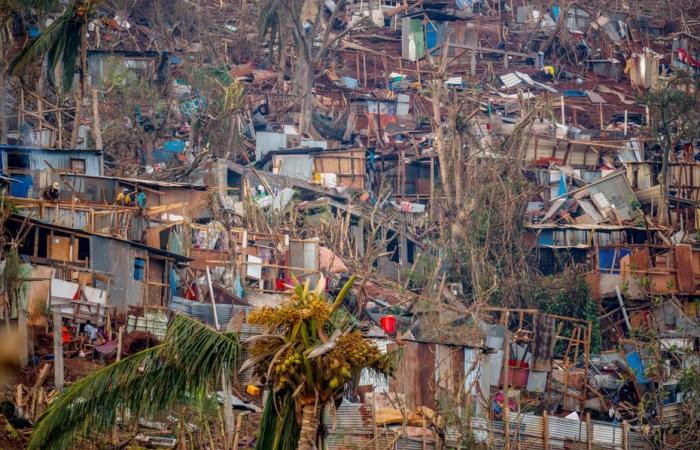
x=350 y=428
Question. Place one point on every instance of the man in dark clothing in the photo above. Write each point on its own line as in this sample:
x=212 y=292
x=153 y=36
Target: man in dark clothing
x=53 y=193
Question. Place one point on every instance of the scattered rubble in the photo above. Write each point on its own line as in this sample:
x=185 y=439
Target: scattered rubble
x=514 y=185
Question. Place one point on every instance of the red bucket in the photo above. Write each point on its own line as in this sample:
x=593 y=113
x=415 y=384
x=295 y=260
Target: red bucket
x=388 y=324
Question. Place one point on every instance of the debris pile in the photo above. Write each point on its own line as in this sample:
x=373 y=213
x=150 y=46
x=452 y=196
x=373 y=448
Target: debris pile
x=513 y=189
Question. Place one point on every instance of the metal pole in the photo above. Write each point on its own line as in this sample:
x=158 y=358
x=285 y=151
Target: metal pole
x=213 y=303
x=57 y=351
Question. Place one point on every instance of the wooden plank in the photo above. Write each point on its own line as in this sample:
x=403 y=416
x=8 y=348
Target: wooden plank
x=59 y=247
x=493 y=50
x=684 y=260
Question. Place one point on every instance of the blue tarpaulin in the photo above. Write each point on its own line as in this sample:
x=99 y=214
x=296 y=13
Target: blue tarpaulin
x=637 y=367
x=609 y=259
x=174 y=146
x=562 y=185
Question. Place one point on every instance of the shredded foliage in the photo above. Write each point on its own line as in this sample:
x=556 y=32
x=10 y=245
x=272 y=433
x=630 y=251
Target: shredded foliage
x=60 y=42
x=184 y=367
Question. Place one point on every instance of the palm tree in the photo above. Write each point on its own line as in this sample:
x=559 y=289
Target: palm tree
x=306 y=357
x=62 y=42
x=184 y=368
x=7 y=9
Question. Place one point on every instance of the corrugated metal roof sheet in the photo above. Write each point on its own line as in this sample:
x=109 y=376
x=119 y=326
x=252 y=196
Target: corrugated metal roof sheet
x=510 y=80
x=528 y=430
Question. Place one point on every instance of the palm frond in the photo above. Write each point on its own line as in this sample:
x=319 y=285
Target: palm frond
x=279 y=428
x=60 y=41
x=184 y=367
x=69 y=53
x=324 y=347
x=42 y=5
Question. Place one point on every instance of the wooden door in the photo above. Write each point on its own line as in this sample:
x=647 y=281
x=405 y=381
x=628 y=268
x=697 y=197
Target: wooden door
x=59 y=248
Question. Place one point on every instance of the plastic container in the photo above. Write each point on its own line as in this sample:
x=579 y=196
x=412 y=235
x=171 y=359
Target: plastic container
x=388 y=324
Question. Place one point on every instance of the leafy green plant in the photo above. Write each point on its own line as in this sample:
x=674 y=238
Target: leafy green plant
x=569 y=295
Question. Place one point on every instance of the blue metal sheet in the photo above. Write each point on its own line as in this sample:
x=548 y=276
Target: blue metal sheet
x=431 y=36
x=546 y=237
x=20 y=187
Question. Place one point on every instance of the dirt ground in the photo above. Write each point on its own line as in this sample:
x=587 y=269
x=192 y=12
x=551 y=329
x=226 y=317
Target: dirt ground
x=11 y=437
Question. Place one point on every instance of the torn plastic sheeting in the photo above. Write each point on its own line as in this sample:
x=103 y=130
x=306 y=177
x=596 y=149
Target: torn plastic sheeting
x=637 y=366
x=609 y=259
x=330 y=262
x=348 y=82
x=282 y=199
x=536 y=381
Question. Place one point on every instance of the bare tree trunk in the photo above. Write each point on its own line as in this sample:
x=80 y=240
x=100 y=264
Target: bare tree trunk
x=232 y=143
x=440 y=147
x=282 y=59
x=24 y=335
x=445 y=159
x=304 y=81
x=96 y=123
x=3 y=92
x=228 y=409
x=663 y=211
x=3 y=103
x=310 y=420
x=80 y=94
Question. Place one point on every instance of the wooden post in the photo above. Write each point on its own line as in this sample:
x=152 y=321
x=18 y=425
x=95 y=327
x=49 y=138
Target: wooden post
x=472 y=62
x=563 y=118
x=506 y=358
x=59 y=120
x=600 y=113
x=625 y=437
x=57 y=350
x=386 y=73
x=625 y=127
x=364 y=70
x=228 y=406
x=120 y=336
x=237 y=431
x=432 y=186
x=622 y=307
x=646 y=111
x=96 y=124
x=374 y=424
x=589 y=432
x=213 y=303
x=545 y=431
